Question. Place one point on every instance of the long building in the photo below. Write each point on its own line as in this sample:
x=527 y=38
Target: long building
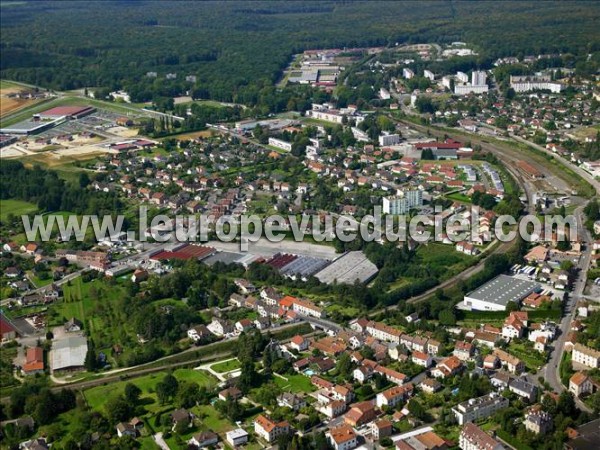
x=495 y=294
x=283 y=145
x=348 y=268
x=586 y=356
x=478 y=408
x=526 y=83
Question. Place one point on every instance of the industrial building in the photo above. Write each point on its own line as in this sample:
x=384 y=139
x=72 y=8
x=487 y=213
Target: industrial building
x=68 y=353
x=348 y=268
x=495 y=294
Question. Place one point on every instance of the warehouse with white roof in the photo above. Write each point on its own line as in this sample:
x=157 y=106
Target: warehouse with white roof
x=68 y=353
x=495 y=294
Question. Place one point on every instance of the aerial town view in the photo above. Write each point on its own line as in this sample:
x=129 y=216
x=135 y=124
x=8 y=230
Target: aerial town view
x=299 y=225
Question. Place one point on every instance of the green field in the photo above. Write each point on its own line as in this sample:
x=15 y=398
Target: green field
x=226 y=366
x=16 y=208
x=460 y=197
x=96 y=397
x=294 y=383
x=98 y=305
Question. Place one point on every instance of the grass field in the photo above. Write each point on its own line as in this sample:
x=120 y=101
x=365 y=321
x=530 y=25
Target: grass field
x=294 y=383
x=96 y=397
x=459 y=197
x=16 y=208
x=226 y=366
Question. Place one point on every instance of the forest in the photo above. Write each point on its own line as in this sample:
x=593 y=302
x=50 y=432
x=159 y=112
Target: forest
x=237 y=50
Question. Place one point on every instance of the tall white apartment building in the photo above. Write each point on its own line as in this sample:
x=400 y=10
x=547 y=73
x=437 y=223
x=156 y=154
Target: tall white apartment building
x=478 y=78
x=401 y=204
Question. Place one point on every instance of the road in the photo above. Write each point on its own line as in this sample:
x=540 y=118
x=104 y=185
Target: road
x=551 y=371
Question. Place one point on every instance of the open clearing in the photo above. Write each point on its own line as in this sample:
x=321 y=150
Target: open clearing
x=15 y=207
x=9 y=105
x=196 y=134
x=96 y=397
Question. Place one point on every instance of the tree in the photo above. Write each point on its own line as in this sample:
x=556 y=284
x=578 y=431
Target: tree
x=512 y=306
x=417 y=410
x=187 y=394
x=132 y=393
x=344 y=365
x=166 y=389
x=249 y=377
x=91 y=360
x=447 y=317
x=566 y=404
x=84 y=180
x=117 y=409
x=427 y=154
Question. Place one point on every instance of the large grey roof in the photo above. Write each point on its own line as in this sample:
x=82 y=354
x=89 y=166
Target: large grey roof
x=504 y=289
x=68 y=352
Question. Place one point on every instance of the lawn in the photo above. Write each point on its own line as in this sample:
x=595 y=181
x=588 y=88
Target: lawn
x=16 y=208
x=459 y=197
x=294 y=383
x=226 y=366
x=210 y=419
x=96 y=397
x=531 y=358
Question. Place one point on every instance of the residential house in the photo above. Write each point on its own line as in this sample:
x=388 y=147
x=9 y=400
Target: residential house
x=447 y=368
x=269 y=430
x=381 y=428
x=430 y=385
x=463 y=350
x=204 y=439
x=181 y=416
x=342 y=438
x=34 y=361
x=538 y=421
x=523 y=389
x=511 y=363
x=232 y=393
x=220 y=327
x=199 y=333
x=580 y=383
x=299 y=343
x=236 y=437
x=293 y=401
x=73 y=325
x=360 y=413
x=422 y=359
x=126 y=429
x=393 y=396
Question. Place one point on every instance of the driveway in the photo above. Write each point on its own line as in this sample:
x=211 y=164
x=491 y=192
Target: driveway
x=158 y=438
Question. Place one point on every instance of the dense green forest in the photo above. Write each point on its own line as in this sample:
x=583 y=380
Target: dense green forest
x=237 y=50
